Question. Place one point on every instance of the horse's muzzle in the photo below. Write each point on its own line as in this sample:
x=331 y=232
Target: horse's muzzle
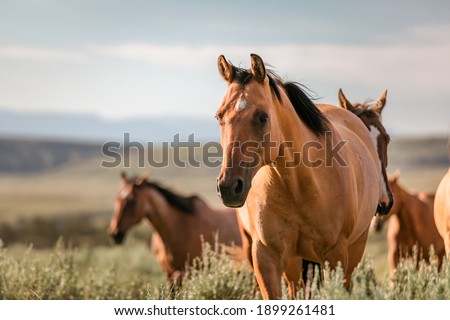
x=384 y=209
x=118 y=237
x=378 y=223
x=233 y=192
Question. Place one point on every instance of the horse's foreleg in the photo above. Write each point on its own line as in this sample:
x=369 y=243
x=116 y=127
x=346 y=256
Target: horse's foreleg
x=292 y=275
x=268 y=269
x=339 y=254
x=247 y=247
x=175 y=280
x=355 y=253
x=447 y=244
x=393 y=257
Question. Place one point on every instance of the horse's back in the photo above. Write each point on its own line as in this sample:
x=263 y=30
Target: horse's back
x=442 y=210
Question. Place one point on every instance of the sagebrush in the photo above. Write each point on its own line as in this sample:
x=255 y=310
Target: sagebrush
x=86 y=273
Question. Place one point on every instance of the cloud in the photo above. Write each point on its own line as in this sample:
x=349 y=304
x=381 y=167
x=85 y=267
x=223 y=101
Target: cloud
x=413 y=66
x=34 y=54
x=421 y=52
x=378 y=64
x=168 y=56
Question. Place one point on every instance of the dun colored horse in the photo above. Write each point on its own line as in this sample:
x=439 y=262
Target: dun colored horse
x=442 y=210
x=306 y=178
x=370 y=115
x=179 y=223
x=411 y=225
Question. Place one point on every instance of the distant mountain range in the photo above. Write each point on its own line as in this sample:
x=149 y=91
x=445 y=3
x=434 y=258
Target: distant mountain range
x=25 y=155
x=31 y=142
x=91 y=128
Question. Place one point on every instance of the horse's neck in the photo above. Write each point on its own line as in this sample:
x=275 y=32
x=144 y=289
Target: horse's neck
x=292 y=128
x=164 y=218
x=293 y=131
x=410 y=212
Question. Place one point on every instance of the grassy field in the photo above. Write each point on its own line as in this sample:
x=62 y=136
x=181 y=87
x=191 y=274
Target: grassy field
x=105 y=273
x=73 y=199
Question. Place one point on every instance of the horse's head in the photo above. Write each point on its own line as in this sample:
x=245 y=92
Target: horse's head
x=247 y=129
x=396 y=192
x=370 y=114
x=129 y=208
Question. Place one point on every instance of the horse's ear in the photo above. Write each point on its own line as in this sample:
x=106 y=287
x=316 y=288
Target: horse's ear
x=381 y=102
x=394 y=177
x=140 y=181
x=225 y=69
x=123 y=177
x=343 y=102
x=258 y=70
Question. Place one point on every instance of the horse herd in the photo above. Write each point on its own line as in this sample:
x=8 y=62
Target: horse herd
x=290 y=206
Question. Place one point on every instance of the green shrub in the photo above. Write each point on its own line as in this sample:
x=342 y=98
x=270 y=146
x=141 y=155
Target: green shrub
x=130 y=273
x=425 y=283
x=61 y=274
x=214 y=276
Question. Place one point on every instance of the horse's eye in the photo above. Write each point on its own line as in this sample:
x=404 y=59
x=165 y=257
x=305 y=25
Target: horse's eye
x=263 y=119
x=218 y=117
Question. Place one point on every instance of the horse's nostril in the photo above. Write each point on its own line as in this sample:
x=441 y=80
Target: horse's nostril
x=238 y=187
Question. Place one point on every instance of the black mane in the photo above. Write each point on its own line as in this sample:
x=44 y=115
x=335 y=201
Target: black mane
x=184 y=204
x=305 y=108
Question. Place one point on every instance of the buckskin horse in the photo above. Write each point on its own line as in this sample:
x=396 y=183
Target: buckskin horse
x=442 y=210
x=297 y=199
x=180 y=224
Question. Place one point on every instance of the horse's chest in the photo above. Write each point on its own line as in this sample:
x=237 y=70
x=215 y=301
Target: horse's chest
x=244 y=218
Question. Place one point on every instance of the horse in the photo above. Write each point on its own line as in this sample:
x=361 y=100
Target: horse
x=442 y=210
x=411 y=226
x=306 y=179
x=370 y=115
x=180 y=224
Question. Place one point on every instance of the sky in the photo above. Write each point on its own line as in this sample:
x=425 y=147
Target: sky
x=133 y=59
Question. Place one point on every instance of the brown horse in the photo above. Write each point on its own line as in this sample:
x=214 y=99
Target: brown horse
x=179 y=223
x=370 y=115
x=442 y=210
x=411 y=225
x=306 y=178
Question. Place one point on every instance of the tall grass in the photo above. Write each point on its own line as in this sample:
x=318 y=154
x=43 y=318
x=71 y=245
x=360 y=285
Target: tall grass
x=65 y=273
